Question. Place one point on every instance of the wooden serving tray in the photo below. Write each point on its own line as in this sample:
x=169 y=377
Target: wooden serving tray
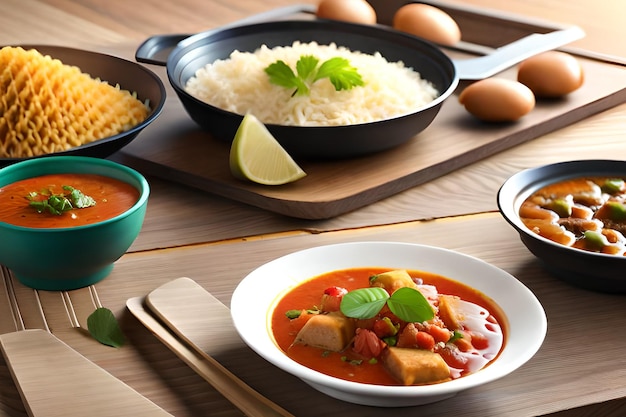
x=175 y=148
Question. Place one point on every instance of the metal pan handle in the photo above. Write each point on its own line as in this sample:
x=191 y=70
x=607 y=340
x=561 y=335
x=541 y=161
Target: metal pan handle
x=515 y=52
x=156 y=49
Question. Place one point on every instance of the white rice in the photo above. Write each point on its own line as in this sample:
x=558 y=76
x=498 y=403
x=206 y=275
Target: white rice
x=239 y=84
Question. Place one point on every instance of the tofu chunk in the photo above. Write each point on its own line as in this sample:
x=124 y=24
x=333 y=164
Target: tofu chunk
x=332 y=331
x=415 y=366
x=393 y=280
x=450 y=313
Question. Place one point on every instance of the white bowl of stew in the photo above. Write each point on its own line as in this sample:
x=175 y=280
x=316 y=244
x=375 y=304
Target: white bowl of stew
x=572 y=216
x=65 y=220
x=380 y=380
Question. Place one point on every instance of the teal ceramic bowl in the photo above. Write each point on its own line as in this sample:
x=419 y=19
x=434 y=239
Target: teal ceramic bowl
x=60 y=259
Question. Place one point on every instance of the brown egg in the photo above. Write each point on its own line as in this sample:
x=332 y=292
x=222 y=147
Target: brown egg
x=551 y=74
x=497 y=100
x=427 y=22
x=355 y=11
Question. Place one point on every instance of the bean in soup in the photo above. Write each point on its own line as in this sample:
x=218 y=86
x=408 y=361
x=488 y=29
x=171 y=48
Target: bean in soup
x=42 y=202
x=398 y=327
x=587 y=213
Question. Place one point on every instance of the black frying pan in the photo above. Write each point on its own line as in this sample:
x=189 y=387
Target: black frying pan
x=317 y=142
x=323 y=142
x=129 y=75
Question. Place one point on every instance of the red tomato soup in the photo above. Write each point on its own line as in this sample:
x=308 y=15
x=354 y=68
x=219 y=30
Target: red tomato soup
x=465 y=333
x=111 y=198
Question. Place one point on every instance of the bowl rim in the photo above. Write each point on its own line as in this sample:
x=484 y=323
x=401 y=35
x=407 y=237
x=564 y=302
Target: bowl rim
x=265 y=347
x=519 y=186
x=65 y=161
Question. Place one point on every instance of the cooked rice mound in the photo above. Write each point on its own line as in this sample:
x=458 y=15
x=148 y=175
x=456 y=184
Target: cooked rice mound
x=47 y=106
x=239 y=84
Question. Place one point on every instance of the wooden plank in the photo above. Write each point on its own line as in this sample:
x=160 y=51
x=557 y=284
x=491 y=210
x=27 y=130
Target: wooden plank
x=55 y=380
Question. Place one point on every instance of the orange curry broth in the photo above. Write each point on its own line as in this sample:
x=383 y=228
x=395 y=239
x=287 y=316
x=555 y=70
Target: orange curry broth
x=308 y=294
x=113 y=197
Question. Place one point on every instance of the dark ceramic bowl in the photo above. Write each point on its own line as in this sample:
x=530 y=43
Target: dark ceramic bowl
x=129 y=75
x=589 y=270
x=319 y=142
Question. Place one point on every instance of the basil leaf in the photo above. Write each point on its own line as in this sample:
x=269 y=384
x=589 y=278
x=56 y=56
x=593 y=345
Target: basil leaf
x=363 y=303
x=410 y=305
x=103 y=326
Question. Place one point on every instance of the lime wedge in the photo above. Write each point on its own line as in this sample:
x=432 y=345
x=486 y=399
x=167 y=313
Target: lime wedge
x=255 y=155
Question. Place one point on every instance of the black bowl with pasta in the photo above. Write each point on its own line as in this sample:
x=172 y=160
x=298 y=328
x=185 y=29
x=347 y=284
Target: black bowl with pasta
x=320 y=141
x=543 y=226
x=117 y=72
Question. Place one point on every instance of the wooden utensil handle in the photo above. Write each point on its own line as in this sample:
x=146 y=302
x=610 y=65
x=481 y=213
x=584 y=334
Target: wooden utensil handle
x=249 y=401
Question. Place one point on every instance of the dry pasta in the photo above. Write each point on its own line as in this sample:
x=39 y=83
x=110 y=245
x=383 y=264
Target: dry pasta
x=47 y=106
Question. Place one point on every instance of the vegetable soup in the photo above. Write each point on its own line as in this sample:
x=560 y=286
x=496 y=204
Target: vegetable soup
x=65 y=200
x=388 y=327
x=587 y=213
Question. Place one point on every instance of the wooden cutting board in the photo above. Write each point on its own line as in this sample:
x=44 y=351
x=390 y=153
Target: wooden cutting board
x=175 y=148
x=55 y=380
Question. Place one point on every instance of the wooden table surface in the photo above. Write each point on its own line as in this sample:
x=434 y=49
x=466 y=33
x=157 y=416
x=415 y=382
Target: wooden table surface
x=580 y=370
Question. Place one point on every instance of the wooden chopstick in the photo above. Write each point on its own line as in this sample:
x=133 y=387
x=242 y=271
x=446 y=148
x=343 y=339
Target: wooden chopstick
x=246 y=399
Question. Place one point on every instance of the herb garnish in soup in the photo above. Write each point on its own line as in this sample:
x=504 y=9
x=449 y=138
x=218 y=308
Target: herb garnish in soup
x=388 y=327
x=587 y=213
x=65 y=200
x=70 y=199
